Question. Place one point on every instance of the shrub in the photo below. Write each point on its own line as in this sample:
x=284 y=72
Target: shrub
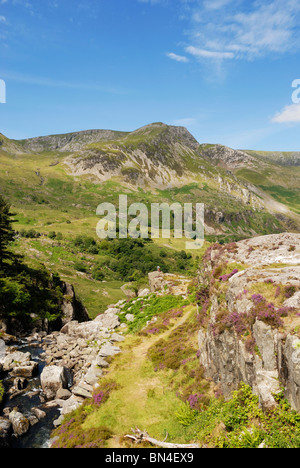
x=230 y=275
x=289 y=291
x=185 y=415
x=80 y=266
x=104 y=391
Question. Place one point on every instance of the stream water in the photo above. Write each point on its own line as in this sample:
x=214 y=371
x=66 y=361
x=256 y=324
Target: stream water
x=38 y=435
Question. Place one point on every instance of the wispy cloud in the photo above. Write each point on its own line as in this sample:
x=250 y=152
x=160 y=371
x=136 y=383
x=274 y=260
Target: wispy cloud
x=240 y=30
x=290 y=114
x=210 y=54
x=153 y=2
x=177 y=58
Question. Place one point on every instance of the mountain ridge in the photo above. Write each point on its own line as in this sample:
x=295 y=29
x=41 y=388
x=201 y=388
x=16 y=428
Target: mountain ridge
x=168 y=163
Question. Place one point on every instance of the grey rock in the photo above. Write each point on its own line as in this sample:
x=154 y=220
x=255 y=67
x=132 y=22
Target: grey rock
x=15 y=359
x=53 y=378
x=63 y=394
x=2 y=350
x=109 y=350
x=129 y=317
x=156 y=281
x=20 y=423
x=40 y=414
x=27 y=371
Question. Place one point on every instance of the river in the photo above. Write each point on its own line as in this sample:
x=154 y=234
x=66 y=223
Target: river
x=38 y=435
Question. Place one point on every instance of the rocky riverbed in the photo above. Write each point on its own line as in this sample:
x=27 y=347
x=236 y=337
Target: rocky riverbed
x=46 y=376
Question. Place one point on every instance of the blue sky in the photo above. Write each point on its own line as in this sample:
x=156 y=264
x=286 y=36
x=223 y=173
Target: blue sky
x=222 y=68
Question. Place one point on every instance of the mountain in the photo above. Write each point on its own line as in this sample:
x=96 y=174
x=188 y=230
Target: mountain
x=245 y=193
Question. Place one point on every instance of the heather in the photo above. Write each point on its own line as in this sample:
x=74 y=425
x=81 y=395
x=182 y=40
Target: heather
x=70 y=434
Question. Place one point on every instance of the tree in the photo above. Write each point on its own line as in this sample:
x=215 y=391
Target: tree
x=7 y=233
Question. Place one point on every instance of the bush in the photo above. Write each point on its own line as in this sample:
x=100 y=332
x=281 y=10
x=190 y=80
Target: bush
x=185 y=414
x=80 y=266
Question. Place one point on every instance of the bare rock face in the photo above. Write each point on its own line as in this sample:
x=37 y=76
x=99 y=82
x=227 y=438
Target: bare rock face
x=156 y=281
x=252 y=334
x=72 y=309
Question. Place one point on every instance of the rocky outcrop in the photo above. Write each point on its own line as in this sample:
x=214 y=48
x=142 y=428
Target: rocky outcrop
x=156 y=281
x=251 y=333
x=168 y=283
x=228 y=362
x=72 y=308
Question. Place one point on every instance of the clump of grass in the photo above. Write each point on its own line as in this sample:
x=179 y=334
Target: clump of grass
x=145 y=309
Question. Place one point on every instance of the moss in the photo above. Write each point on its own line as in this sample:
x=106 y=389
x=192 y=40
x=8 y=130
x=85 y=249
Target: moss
x=1 y=392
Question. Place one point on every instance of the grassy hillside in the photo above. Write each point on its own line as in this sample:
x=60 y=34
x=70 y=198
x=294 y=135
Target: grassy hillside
x=55 y=184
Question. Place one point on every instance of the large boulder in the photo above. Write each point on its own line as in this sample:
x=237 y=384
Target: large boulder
x=109 y=319
x=26 y=371
x=53 y=378
x=19 y=423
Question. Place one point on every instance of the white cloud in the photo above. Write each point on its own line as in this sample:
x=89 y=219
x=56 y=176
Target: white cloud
x=226 y=29
x=177 y=58
x=290 y=114
x=211 y=54
x=3 y=19
x=215 y=4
